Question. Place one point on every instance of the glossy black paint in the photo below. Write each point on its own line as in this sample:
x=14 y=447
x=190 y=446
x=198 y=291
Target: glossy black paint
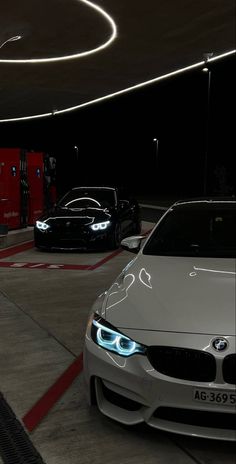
x=70 y=222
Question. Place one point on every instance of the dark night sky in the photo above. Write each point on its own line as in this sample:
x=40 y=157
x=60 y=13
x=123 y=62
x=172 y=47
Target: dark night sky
x=115 y=139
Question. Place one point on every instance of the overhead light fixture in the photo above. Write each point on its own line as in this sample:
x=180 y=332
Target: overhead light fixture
x=11 y=39
x=207 y=56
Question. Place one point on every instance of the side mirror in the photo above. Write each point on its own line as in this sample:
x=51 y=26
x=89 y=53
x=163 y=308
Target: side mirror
x=123 y=204
x=132 y=243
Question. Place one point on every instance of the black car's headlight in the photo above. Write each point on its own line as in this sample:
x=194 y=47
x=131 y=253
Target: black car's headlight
x=109 y=338
x=42 y=225
x=100 y=225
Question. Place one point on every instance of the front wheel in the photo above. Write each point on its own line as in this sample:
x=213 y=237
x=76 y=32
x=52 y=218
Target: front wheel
x=137 y=227
x=115 y=239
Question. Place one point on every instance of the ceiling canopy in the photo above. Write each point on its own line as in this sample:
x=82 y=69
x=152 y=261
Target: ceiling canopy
x=63 y=54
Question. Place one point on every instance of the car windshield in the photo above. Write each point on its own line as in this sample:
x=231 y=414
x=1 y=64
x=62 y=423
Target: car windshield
x=88 y=198
x=197 y=231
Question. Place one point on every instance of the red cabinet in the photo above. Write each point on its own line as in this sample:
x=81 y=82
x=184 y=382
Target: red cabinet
x=10 y=187
x=35 y=175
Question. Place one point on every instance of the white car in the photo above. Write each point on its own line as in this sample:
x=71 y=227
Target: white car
x=160 y=342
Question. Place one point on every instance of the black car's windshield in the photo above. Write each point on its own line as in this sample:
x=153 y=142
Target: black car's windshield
x=88 y=198
x=203 y=232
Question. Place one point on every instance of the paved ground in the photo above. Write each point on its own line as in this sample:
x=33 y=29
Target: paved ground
x=43 y=314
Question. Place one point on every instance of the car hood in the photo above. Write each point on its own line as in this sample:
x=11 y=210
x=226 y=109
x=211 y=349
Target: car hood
x=92 y=214
x=174 y=294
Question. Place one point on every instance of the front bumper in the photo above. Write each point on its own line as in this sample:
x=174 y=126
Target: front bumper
x=130 y=391
x=85 y=239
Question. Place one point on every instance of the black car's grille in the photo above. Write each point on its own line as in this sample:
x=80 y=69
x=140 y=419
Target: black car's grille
x=229 y=369
x=183 y=363
x=68 y=224
x=65 y=229
x=215 y=420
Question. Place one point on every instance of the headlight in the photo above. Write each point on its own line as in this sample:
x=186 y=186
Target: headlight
x=100 y=225
x=110 y=339
x=42 y=225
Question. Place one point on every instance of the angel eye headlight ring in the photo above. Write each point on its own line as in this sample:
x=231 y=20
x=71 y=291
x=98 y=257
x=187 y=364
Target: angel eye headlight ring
x=108 y=338
x=42 y=225
x=100 y=225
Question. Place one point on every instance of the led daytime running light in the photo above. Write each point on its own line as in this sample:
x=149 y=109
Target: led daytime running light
x=100 y=225
x=114 y=341
x=42 y=225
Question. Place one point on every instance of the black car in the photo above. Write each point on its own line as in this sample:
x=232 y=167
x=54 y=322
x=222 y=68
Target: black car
x=88 y=217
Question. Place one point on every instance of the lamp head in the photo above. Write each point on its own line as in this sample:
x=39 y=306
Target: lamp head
x=207 y=56
x=16 y=37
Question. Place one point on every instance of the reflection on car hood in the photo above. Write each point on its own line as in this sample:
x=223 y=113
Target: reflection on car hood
x=194 y=295
x=98 y=214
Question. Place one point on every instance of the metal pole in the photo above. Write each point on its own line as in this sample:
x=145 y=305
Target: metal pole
x=157 y=146
x=207 y=134
x=76 y=153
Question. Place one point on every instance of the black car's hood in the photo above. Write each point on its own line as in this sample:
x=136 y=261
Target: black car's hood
x=92 y=214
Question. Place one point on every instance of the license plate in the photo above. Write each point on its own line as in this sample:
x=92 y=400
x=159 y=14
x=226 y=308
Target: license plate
x=214 y=397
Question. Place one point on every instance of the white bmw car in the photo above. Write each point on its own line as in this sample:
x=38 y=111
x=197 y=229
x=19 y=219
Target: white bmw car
x=160 y=342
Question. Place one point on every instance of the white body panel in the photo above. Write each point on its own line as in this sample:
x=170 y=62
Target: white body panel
x=194 y=295
x=176 y=302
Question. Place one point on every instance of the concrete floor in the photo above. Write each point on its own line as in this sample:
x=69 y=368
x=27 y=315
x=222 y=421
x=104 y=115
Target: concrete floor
x=43 y=314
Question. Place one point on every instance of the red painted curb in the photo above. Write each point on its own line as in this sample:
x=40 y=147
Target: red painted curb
x=81 y=267
x=20 y=265
x=25 y=246
x=47 y=401
x=16 y=249
x=104 y=260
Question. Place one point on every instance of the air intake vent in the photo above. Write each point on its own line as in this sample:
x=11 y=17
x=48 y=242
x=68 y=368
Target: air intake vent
x=120 y=400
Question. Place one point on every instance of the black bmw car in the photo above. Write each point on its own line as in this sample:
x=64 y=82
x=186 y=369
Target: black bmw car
x=88 y=218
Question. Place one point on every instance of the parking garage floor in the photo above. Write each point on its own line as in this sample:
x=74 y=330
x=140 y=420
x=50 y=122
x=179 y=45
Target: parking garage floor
x=45 y=299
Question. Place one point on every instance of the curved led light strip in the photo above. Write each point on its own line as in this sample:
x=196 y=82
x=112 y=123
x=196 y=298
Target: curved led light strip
x=76 y=55
x=121 y=92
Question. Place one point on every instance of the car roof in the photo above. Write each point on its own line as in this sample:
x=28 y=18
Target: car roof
x=205 y=203
x=94 y=188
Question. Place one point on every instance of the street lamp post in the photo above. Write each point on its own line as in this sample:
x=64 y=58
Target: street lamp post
x=207 y=56
x=76 y=153
x=157 y=146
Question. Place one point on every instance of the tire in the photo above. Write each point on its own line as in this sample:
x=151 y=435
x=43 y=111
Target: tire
x=42 y=248
x=115 y=239
x=137 y=227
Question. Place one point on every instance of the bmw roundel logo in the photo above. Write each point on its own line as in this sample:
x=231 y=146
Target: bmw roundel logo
x=219 y=344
